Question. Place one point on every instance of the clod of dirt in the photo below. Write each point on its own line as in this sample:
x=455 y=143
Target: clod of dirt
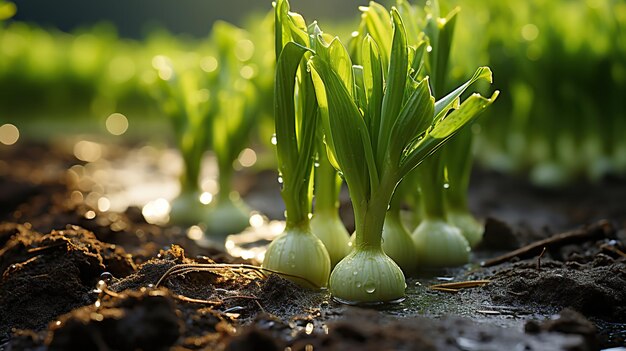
x=143 y=320
x=285 y=299
x=568 y=322
x=596 y=289
x=498 y=236
x=44 y=276
x=253 y=339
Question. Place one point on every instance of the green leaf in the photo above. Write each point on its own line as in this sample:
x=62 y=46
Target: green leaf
x=443 y=105
x=378 y=24
x=469 y=109
x=336 y=53
x=359 y=94
x=347 y=133
x=281 y=36
x=412 y=21
x=289 y=26
x=445 y=129
x=373 y=84
x=415 y=118
x=417 y=59
x=396 y=83
x=284 y=106
x=441 y=32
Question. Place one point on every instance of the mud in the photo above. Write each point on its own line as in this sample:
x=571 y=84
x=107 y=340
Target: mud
x=76 y=281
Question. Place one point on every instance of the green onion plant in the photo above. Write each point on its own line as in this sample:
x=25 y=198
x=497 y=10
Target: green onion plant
x=212 y=105
x=296 y=253
x=235 y=116
x=438 y=241
x=180 y=95
x=379 y=125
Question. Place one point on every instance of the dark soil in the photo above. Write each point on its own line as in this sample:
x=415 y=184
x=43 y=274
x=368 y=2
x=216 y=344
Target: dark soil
x=69 y=282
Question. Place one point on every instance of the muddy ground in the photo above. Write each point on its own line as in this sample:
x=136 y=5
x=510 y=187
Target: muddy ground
x=77 y=278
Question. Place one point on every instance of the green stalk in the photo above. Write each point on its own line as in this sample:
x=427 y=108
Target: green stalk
x=326 y=224
x=369 y=218
x=327 y=184
x=431 y=186
x=191 y=170
x=186 y=208
x=396 y=239
x=458 y=153
x=458 y=178
x=224 y=180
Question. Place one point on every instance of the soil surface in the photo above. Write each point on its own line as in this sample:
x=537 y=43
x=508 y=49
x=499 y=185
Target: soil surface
x=73 y=277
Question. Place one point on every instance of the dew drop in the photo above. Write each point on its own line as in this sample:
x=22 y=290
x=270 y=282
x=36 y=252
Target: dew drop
x=107 y=277
x=370 y=287
x=355 y=273
x=358 y=285
x=446 y=185
x=150 y=286
x=316 y=164
x=309 y=328
x=273 y=140
x=101 y=285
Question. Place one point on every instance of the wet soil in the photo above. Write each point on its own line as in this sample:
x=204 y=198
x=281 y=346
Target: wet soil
x=73 y=277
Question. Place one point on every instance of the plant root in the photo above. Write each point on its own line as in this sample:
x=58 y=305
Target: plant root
x=245 y=270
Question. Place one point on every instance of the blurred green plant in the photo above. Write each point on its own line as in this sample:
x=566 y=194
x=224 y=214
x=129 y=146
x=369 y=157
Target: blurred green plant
x=212 y=103
x=179 y=92
x=563 y=65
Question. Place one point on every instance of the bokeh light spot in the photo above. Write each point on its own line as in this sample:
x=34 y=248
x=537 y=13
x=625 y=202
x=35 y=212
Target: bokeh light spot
x=208 y=64
x=530 y=32
x=87 y=151
x=244 y=50
x=247 y=157
x=117 y=124
x=9 y=134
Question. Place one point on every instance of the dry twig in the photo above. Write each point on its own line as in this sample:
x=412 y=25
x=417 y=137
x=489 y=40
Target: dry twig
x=600 y=230
x=457 y=286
